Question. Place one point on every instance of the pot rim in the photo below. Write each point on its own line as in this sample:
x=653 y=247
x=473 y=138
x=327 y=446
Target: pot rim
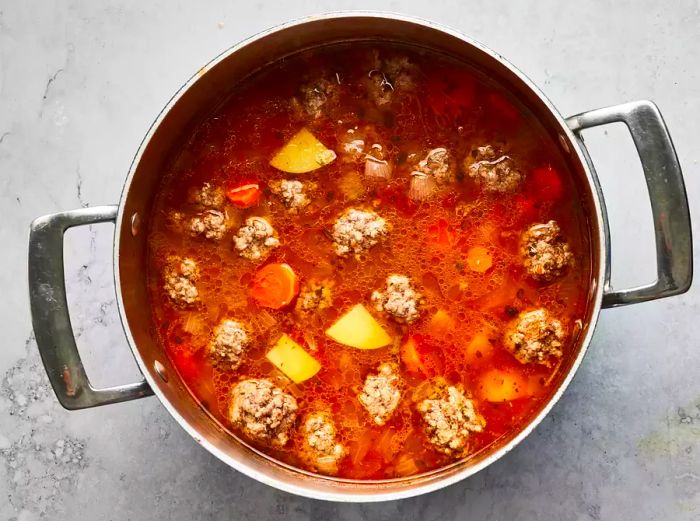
x=346 y=495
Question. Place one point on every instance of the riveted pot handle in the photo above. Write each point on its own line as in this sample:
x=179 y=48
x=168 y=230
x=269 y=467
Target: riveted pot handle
x=669 y=202
x=50 y=317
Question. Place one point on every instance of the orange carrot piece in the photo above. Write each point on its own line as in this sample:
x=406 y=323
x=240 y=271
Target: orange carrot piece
x=479 y=259
x=244 y=196
x=275 y=286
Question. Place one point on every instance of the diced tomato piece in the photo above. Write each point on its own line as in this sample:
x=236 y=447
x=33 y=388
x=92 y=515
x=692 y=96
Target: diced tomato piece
x=503 y=107
x=546 y=183
x=244 y=196
x=442 y=234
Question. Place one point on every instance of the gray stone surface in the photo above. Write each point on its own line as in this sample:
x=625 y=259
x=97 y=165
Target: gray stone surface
x=80 y=83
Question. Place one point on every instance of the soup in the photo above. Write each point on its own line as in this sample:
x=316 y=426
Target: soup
x=369 y=262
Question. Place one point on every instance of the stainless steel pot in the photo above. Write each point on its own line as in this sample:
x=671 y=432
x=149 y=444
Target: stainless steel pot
x=196 y=98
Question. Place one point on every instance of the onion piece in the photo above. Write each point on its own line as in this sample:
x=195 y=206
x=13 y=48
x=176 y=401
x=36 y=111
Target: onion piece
x=422 y=187
x=194 y=324
x=327 y=464
x=264 y=321
x=406 y=466
x=377 y=168
x=310 y=340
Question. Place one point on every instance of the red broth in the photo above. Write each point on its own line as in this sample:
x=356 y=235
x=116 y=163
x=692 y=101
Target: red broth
x=450 y=104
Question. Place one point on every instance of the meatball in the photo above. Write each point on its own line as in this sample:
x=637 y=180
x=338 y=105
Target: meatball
x=381 y=393
x=493 y=171
x=534 y=336
x=255 y=238
x=228 y=344
x=315 y=98
x=438 y=164
x=293 y=193
x=208 y=196
x=263 y=411
x=449 y=421
x=315 y=295
x=321 y=449
x=400 y=299
x=211 y=224
x=389 y=76
x=546 y=255
x=356 y=231
x=179 y=278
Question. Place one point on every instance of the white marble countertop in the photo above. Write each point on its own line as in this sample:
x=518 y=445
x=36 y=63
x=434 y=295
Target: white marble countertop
x=81 y=81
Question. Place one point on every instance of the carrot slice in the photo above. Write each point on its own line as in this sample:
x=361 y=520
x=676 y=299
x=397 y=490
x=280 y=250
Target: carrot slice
x=479 y=259
x=275 y=286
x=244 y=196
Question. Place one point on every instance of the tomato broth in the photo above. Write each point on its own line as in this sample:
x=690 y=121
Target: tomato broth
x=460 y=246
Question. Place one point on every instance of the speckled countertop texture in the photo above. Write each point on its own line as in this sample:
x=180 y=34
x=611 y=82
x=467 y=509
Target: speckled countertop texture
x=81 y=81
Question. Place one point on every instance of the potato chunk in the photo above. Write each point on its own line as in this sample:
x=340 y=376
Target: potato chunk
x=358 y=328
x=290 y=358
x=302 y=153
x=503 y=386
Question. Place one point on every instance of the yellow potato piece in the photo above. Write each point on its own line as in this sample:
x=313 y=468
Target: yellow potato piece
x=504 y=386
x=303 y=153
x=357 y=328
x=290 y=358
x=479 y=347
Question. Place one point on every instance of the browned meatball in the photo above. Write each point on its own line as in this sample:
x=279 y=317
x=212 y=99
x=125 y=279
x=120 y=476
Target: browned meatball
x=208 y=196
x=449 y=420
x=534 y=337
x=438 y=163
x=316 y=97
x=546 y=255
x=263 y=411
x=256 y=238
x=492 y=170
x=228 y=344
x=356 y=231
x=322 y=451
x=211 y=224
x=381 y=393
x=179 y=279
x=389 y=76
x=293 y=193
x=400 y=300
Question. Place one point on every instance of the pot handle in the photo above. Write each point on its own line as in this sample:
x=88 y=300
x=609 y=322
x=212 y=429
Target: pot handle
x=669 y=202
x=50 y=318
